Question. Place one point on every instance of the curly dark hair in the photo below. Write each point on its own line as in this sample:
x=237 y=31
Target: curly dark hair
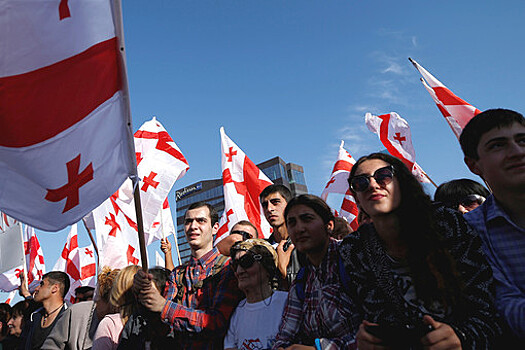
x=431 y=265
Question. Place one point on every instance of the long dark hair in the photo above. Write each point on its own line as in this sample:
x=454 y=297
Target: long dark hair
x=431 y=265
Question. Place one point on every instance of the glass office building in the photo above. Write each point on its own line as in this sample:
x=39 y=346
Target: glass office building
x=289 y=174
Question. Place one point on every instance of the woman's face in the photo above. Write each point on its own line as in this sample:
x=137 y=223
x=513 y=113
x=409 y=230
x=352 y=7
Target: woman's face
x=15 y=325
x=307 y=230
x=250 y=278
x=379 y=198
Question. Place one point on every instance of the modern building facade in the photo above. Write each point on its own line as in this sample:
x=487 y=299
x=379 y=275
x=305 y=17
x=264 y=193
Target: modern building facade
x=211 y=191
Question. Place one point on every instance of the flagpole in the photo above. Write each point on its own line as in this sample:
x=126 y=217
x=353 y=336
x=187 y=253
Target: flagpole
x=26 y=272
x=429 y=179
x=119 y=28
x=91 y=238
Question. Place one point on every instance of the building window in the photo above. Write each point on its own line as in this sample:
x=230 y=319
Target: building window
x=295 y=176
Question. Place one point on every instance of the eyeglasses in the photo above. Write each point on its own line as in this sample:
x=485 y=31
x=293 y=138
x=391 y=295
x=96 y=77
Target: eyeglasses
x=245 y=235
x=383 y=176
x=467 y=202
x=246 y=261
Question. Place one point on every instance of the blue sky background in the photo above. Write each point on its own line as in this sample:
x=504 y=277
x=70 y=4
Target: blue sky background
x=294 y=78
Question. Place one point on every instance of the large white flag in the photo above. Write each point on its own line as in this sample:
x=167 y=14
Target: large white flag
x=394 y=133
x=243 y=182
x=456 y=111
x=11 y=257
x=64 y=119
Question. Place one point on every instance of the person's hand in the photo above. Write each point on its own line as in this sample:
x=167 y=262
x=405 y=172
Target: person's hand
x=367 y=341
x=22 y=290
x=151 y=298
x=165 y=246
x=284 y=256
x=442 y=337
x=142 y=282
x=299 y=347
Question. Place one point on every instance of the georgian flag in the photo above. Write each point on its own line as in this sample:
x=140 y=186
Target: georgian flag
x=160 y=163
x=11 y=257
x=394 y=133
x=456 y=111
x=65 y=144
x=338 y=183
x=242 y=184
x=34 y=257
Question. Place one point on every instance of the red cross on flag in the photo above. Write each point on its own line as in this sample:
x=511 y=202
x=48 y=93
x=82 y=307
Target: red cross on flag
x=6 y=221
x=242 y=184
x=394 y=133
x=10 y=297
x=34 y=257
x=456 y=111
x=65 y=144
x=338 y=183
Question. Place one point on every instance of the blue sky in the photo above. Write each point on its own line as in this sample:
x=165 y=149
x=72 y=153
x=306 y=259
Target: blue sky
x=294 y=78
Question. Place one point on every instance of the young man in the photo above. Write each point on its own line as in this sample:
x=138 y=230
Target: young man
x=493 y=143
x=274 y=199
x=51 y=292
x=202 y=292
x=241 y=231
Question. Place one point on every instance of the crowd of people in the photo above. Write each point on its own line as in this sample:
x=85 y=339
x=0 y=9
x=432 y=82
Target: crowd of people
x=417 y=274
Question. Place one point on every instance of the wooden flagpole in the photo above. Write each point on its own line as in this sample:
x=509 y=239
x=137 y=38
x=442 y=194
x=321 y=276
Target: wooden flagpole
x=429 y=179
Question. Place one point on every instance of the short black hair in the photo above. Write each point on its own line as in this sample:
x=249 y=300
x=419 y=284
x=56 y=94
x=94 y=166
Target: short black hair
x=484 y=122
x=5 y=314
x=317 y=204
x=60 y=278
x=214 y=217
x=21 y=309
x=248 y=223
x=454 y=191
x=281 y=189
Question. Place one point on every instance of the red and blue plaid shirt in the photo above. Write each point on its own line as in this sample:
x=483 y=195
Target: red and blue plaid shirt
x=201 y=320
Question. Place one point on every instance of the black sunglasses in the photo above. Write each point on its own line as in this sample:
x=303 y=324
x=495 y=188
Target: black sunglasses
x=383 y=176
x=467 y=201
x=246 y=261
x=245 y=235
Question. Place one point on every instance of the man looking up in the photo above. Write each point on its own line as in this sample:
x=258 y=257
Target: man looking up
x=51 y=292
x=274 y=199
x=202 y=292
x=493 y=143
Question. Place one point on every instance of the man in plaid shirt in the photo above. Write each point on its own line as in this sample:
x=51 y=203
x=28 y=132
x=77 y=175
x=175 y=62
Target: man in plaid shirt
x=203 y=292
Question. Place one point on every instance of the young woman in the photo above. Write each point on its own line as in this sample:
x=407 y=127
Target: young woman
x=417 y=271
x=318 y=313
x=256 y=319
x=462 y=195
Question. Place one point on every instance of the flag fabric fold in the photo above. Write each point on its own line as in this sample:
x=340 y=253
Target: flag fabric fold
x=242 y=181
x=63 y=110
x=456 y=111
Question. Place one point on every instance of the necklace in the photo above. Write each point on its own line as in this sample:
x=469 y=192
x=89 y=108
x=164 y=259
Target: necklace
x=47 y=314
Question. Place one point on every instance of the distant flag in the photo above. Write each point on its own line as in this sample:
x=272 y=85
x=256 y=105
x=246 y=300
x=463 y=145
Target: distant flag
x=160 y=163
x=243 y=182
x=394 y=133
x=6 y=221
x=11 y=257
x=10 y=297
x=88 y=271
x=456 y=111
x=338 y=183
x=34 y=257
x=65 y=144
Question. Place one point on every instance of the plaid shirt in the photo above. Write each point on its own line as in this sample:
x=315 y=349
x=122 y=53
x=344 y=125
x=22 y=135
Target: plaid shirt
x=504 y=247
x=201 y=320
x=326 y=312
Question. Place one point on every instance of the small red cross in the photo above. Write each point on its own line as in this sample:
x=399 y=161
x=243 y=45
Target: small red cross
x=148 y=181
x=89 y=252
x=131 y=258
x=113 y=223
x=399 y=139
x=63 y=10
x=139 y=157
x=75 y=180
x=332 y=180
x=17 y=273
x=230 y=154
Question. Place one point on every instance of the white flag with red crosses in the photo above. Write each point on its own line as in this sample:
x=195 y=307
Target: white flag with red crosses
x=394 y=133
x=338 y=183
x=34 y=257
x=160 y=163
x=242 y=182
x=456 y=111
x=11 y=257
x=65 y=144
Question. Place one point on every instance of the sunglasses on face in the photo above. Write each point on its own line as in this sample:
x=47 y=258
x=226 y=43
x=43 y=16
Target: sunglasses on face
x=245 y=235
x=468 y=201
x=246 y=261
x=383 y=176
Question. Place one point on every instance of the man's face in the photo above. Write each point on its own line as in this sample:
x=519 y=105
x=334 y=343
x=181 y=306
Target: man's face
x=238 y=230
x=44 y=290
x=198 y=228
x=273 y=208
x=501 y=158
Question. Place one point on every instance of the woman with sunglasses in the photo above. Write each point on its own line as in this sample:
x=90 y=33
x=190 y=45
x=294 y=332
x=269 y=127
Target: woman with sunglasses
x=318 y=313
x=256 y=319
x=463 y=195
x=417 y=272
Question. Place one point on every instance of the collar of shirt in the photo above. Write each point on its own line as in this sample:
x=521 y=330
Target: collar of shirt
x=494 y=211
x=205 y=260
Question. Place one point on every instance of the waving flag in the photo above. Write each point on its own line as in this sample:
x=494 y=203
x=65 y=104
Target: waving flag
x=6 y=221
x=394 y=133
x=65 y=144
x=11 y=257
x=34 y=257
x=242 y=183
x=456 y=111
x=338 y=183
x=160 y=163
